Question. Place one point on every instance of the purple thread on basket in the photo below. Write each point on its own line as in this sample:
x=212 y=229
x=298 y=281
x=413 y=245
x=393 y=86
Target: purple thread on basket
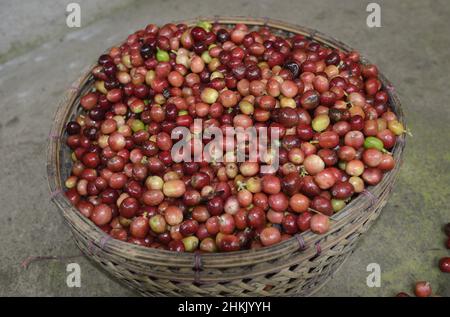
x=197 y=266
x=53 y=135
x=318 y=248
x=390 y=88
x=372 y=197
x=312 y=34
x=265 y=20
x=74 y=87
x=197 y=261
x=91 y=247
x=104 y=240
x=197 y=277
x=55 y=193
x=301 y=242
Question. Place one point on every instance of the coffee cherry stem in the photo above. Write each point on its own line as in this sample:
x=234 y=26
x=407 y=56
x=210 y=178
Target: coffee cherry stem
x=241 y=186
x=303 y=171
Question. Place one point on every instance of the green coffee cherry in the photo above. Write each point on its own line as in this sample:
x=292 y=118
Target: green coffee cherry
x=137 y=125
x=209 y=95
x=125 y=222
x=396 y=127
x=158 y=224
x=205 y=25
x=320 y=123
x=190 y=243
x=162 y=56
x=372 y=142
x=337 y=204
x=206 y=57
x=246 y=107
x=342 y=165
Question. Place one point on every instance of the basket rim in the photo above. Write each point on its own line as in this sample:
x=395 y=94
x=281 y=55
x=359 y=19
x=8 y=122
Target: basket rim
x=68 y=210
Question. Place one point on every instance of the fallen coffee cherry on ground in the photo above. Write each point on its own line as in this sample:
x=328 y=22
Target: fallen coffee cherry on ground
x=447 y=229
x=422 y=289
x=444 y=265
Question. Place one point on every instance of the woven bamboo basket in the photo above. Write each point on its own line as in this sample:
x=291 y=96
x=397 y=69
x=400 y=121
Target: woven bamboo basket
x=296 y=267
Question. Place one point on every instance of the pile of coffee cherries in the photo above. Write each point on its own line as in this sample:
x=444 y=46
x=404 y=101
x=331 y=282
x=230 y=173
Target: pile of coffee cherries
x=333 y=115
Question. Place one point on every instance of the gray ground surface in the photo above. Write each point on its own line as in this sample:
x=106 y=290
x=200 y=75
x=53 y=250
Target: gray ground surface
x=41 y=58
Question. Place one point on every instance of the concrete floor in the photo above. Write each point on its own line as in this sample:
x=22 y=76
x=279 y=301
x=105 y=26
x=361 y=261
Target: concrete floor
x=41 y=60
